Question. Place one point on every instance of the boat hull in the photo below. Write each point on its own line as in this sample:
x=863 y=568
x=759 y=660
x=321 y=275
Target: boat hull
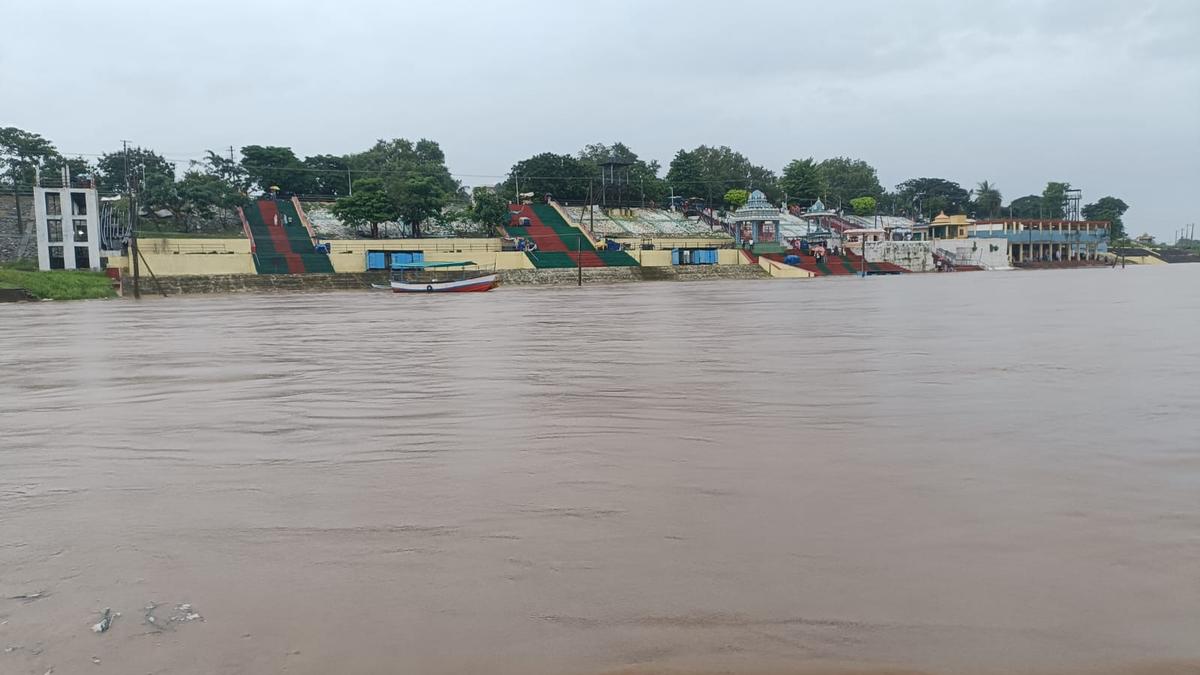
x=475 y=285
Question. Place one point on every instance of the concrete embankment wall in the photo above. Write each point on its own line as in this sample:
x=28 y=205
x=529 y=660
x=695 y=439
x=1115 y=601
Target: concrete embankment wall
x=255 y=283
x=990 y=253
x=610 y=275
x=915 y=256
x=267 y=283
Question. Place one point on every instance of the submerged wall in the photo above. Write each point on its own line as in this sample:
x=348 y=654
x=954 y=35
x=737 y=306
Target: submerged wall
x=916 y=256
x=988 y=253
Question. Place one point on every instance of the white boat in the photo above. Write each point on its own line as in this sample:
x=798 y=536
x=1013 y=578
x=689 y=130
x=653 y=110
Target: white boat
x=439 y=277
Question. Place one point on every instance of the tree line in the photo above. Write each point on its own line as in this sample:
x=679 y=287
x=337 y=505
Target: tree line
x=408 y=182
x=723 y=178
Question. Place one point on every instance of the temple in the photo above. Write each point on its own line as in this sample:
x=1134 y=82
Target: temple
x=756 y=225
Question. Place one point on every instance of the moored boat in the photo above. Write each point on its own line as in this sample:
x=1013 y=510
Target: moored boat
x=440 y=277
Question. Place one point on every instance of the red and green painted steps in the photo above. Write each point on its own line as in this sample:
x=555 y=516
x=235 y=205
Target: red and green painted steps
x=560 y=245
x=285 y=248
x=838 y=265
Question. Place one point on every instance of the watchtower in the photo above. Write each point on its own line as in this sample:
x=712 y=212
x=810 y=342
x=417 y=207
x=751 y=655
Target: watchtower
x=614 y=183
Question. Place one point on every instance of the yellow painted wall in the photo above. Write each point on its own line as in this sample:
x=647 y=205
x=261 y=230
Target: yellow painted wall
x=1142 y=260
x=198 y=245
x=356 y=261
x=730 y=256
x=655 y=258
x=670 y=242
x=781 y=271
x=184 y=265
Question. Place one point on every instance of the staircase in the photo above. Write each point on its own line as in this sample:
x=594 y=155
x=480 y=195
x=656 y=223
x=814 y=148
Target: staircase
x=560 y=244
x=281 y=242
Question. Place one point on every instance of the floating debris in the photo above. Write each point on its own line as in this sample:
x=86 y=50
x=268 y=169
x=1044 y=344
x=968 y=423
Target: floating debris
x=30 y=597
x=9 y=650
x=184 y=613
x=96 y=660
x=105 y=622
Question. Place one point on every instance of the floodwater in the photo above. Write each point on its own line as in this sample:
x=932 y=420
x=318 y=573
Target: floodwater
x=971 y=473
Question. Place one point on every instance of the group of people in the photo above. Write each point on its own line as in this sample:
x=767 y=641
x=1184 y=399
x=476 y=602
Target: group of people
x=524 y=244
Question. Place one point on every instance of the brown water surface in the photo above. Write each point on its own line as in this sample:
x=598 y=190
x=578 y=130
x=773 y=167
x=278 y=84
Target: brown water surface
x=971 y=473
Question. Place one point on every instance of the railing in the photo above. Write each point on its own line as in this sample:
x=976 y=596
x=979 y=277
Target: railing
x=312 y=237
x=246 y=229
x=426 y=245
x=161 y=246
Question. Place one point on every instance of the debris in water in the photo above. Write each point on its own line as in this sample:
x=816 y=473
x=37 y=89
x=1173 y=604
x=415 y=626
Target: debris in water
x=9 y=650
x=186 y=613
x=183 y=614
x=30 y=597
x=96 y=660
x=105 y=622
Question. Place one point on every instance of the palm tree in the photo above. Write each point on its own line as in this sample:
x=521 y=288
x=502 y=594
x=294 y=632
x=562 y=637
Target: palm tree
x=987 y=199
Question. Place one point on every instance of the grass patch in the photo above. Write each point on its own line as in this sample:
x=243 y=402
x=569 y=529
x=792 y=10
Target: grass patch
x=57 y=284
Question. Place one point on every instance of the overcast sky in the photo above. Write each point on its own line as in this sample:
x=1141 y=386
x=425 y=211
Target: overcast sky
x=1104 y=95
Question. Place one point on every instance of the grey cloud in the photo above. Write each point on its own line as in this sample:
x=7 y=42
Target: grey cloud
x=1105 y=94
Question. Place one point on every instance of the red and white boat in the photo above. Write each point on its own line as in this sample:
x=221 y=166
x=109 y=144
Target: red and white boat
x=440 y=277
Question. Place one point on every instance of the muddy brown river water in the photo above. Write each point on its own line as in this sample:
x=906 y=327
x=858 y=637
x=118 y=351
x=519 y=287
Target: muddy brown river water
x=971 y=473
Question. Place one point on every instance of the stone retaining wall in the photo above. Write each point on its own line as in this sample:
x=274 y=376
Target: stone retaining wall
x=615 y=275
x=267 y=283
x=13 y=244
x=256 y=283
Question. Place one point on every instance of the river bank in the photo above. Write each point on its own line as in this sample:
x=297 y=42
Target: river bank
x=313 y=283
x=53 y=285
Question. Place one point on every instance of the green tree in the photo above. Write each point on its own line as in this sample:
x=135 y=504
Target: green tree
x=987 y=200
x=863 y=206
x=203 y=198
x=328 y=175
x=723 y=168
x=1027 y=207
x=802 y=182
x=933 y=195
x=847 y=178
x=369 y=206
x=401 y=158
x=225 y=169
x=685 y=176
x=149 y=172
x=562 y=176
x=1053 y=199
x=77 y=166
x=21 y=151
x=417 y=198
x=736 y=198
x=270 y=166
x=488 y=208
x=1110 y=209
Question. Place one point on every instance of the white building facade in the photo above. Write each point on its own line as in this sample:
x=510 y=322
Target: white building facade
x=68 y=228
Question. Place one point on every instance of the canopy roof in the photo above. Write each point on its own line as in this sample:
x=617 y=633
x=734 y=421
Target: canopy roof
x=756 y=208
x=429 y=265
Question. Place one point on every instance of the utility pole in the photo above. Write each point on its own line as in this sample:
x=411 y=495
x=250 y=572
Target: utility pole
x=133 y=245
x=579 y=259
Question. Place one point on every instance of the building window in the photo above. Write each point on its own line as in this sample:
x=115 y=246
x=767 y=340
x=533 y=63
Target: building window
x=82 y=259
x=81 y=229
x=56 y=258
x=54 y=229
x=53 y=204
x=79 y=203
